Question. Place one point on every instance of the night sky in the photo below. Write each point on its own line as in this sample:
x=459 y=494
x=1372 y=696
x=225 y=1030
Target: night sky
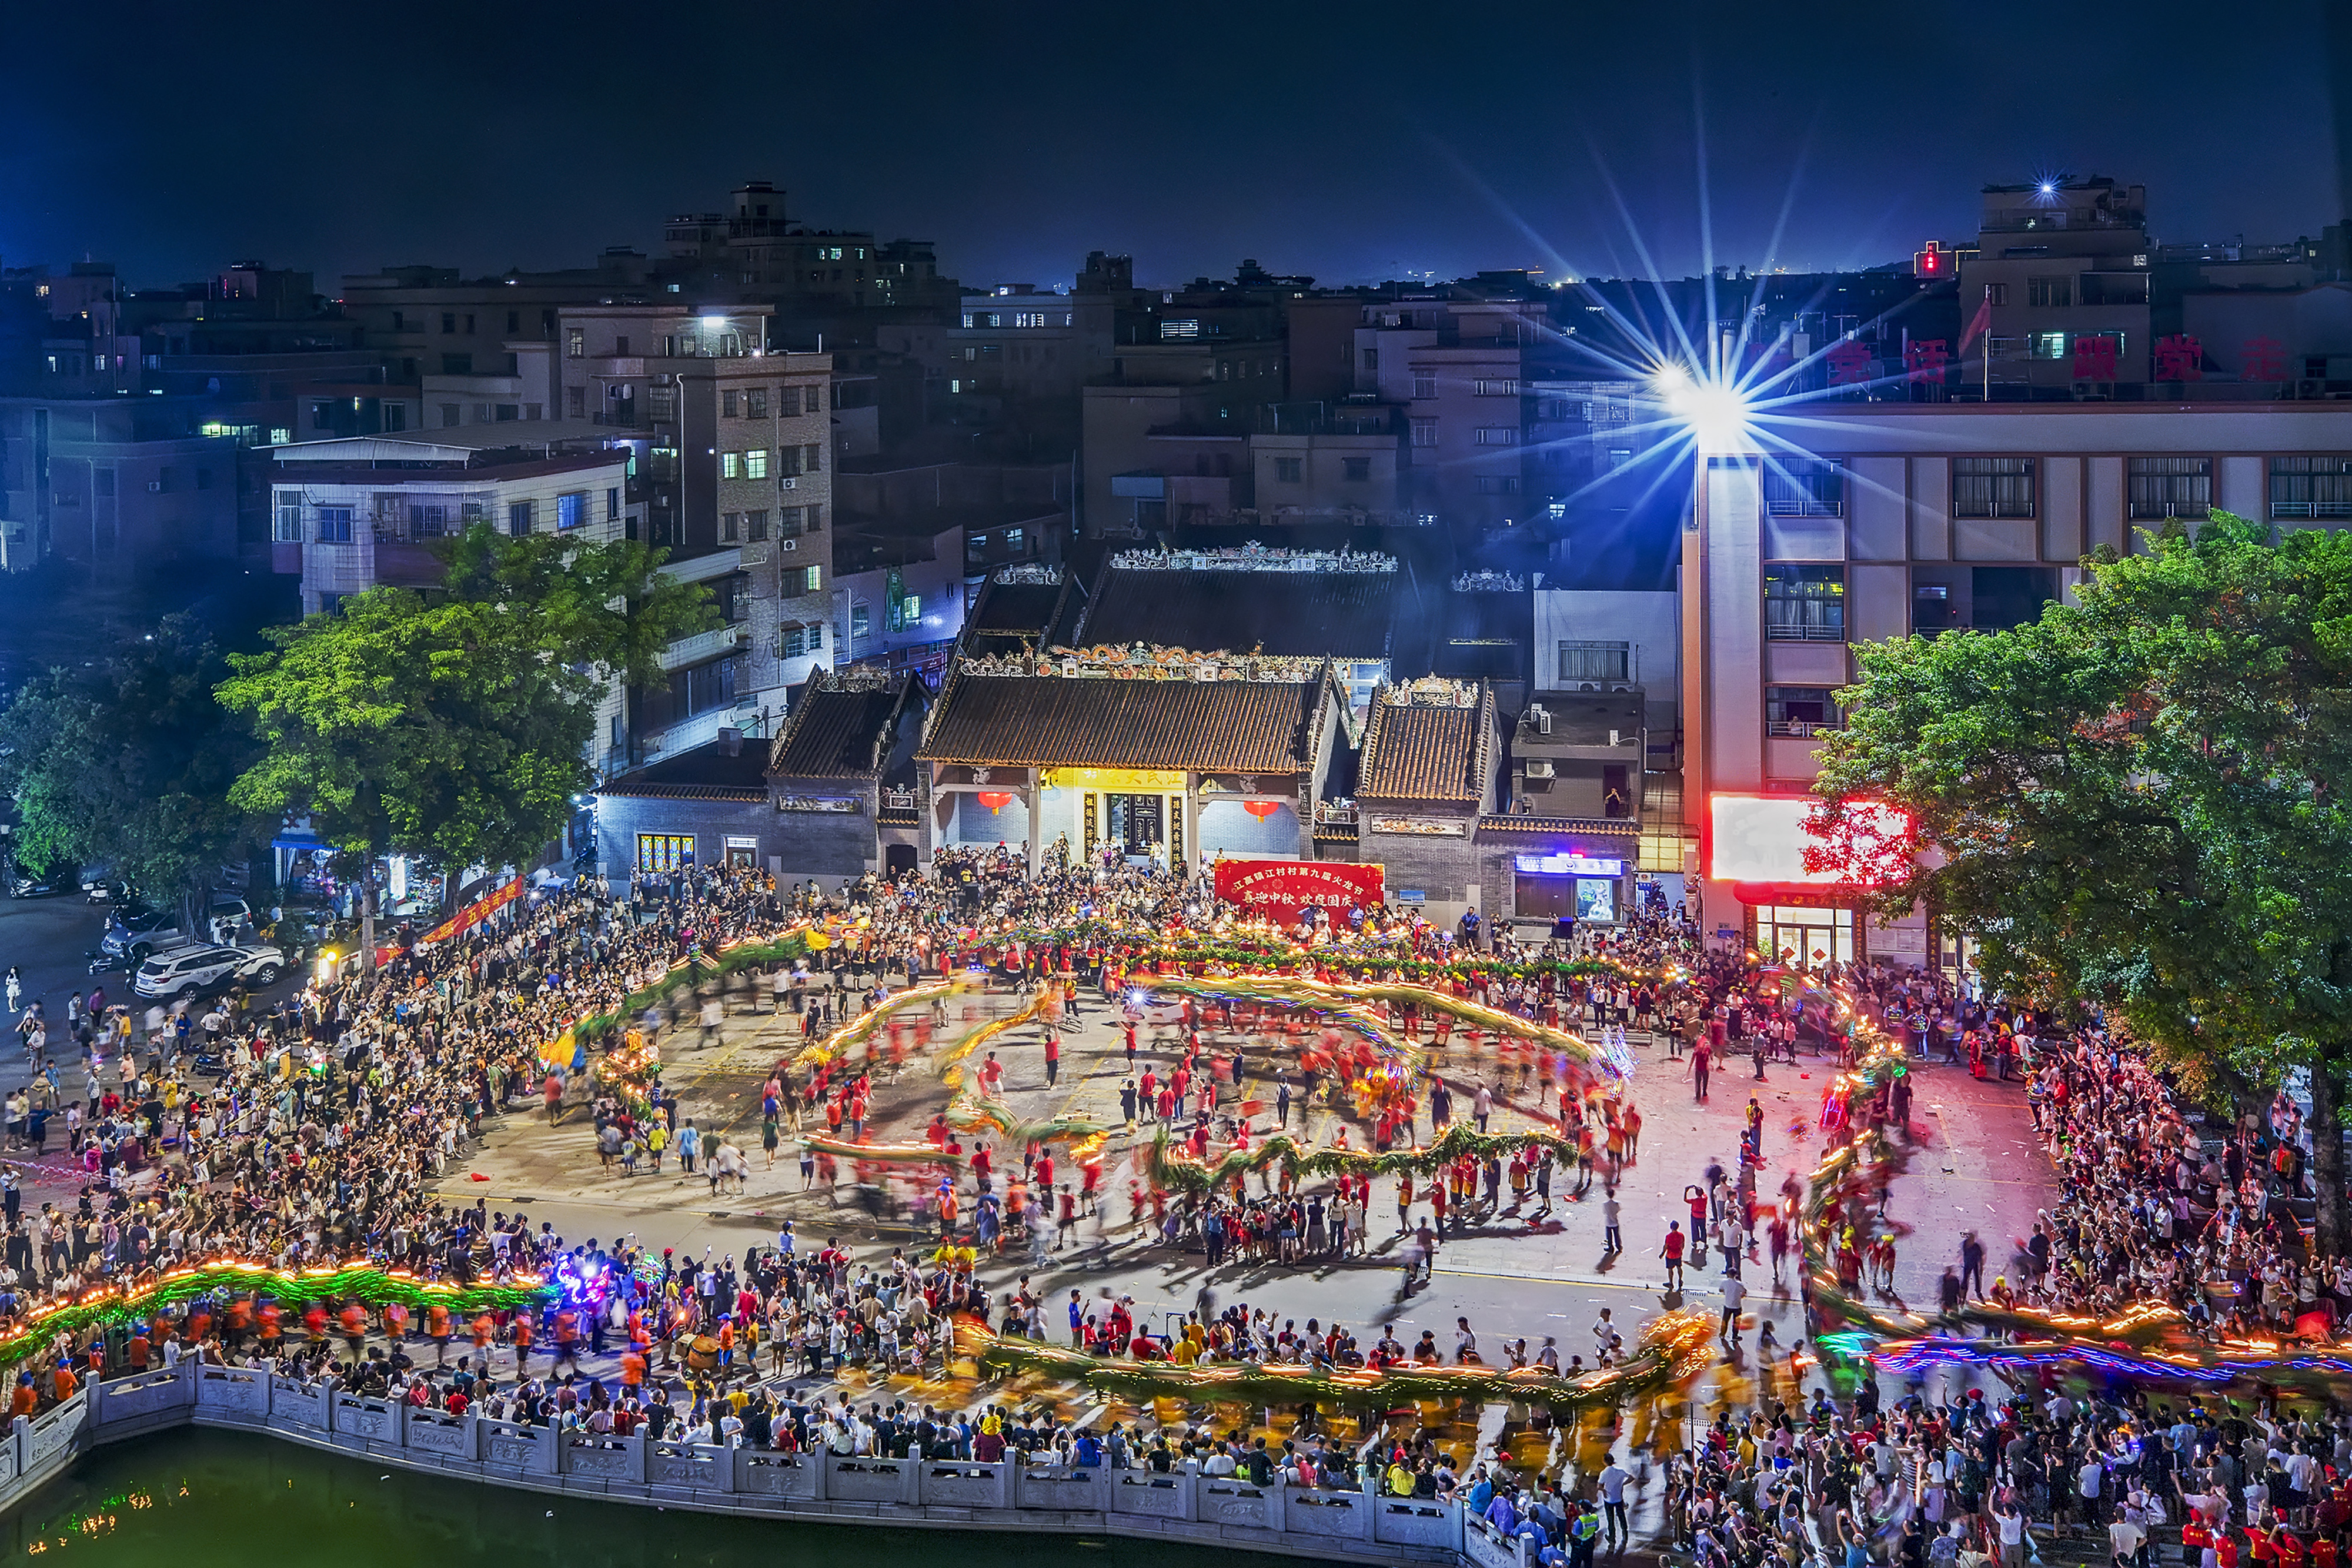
x=1352 y=143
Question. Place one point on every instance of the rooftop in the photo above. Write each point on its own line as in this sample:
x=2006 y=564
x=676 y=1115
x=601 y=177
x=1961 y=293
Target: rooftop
x=837 y=730
x=1038 y=721
x=1217 y=600
x=708 y=773
x=1425 y=742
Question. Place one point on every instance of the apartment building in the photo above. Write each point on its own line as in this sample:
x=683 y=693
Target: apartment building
x=1920 y=517
x=1460 y=371
x=736 y=445
x=755 y=250
x=116 y=481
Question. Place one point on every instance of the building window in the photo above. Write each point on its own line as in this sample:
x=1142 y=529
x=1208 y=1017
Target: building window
x=2047 y=344
x=813 y=457
x=2309 y=488
x=1424 y=433
x=728 y=523
x=575 y=343
x=1801 y=710
x=429 y=520
x=1424 y=384
x=1499 y=483
x=795 y=642
x=1289 y=470
x=1355 y=470
x=1595 y=662
x=2055 y=293
x=1499 y=388
x=1804 y=603
x=1996 y=292
x=334 y=525
x=288 y=529
x=1992 y=486
x=861 y=623
x=571 y=510
x=452 y=416
x=755 y=463
x=1499 y=435
x=755 y=526
x=613 y=505
x=728 y=402
x=731 y=466
x=788 y=522
x=322 y=414
x=664 y=851
x=519 y=516
x=2170 y=487
x=1371 y=359
x=812 y=578
x=1805 y=487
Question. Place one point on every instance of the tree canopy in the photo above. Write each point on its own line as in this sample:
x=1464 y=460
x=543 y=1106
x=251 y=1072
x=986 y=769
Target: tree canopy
x=455 y=724
x=128 y=763
x=2140 y=799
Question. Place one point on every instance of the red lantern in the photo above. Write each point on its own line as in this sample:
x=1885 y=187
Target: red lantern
x=994 y=799
x=1261 y=809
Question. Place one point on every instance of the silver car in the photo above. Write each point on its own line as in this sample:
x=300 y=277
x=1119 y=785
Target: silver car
x=186 y=971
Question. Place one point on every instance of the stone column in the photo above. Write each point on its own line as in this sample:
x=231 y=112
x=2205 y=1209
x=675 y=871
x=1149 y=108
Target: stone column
x=1191 y=821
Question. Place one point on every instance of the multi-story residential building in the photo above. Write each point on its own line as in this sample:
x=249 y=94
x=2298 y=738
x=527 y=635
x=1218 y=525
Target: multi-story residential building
x=2063 y=267
x=737 y=456
x=755 y=251
x=1920 y=517
x=1459 y=369
x=429 y=320
x=111 y=480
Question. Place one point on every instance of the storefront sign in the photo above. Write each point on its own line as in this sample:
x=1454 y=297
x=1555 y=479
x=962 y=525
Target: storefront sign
x=1423 y=826
x=1280 y=889
x=1568 y=865
x=838 y=804
x=1119 y=780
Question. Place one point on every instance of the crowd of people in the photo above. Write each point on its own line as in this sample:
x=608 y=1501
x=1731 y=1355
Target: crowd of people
x=330 y=1117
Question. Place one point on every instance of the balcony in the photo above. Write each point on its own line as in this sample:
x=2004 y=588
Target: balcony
x=1801 y=728
x=704 y=646
x=1802 y=631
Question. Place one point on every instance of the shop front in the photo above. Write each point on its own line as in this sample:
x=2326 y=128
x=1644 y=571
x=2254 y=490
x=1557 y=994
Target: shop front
x=1803 y=930
x=1587 y=888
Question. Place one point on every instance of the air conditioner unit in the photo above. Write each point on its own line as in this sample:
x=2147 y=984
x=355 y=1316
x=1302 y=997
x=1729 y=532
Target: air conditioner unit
x=788 y=484
x=1543 y=721
x=788 y=545
x=1538 y=766
x=1588 y=686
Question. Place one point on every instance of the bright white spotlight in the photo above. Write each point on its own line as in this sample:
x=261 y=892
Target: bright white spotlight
x=1715 y=411
x=2049 y=187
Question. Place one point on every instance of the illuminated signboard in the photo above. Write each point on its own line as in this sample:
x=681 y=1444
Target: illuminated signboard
x=1568 y=865
x=1762 y=838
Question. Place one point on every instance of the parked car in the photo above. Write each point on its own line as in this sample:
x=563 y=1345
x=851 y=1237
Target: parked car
x=136 y=934
x=185 y=971
x=46 y=883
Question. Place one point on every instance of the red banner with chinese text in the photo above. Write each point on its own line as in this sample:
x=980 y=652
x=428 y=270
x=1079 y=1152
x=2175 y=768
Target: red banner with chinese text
x=1280 y=889
x=474 y=913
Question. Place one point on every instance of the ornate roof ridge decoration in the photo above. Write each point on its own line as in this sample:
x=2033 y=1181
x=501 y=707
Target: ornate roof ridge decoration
x=1489 y=582
x=1252 y=557
x=1432 y=691
x=853 y=678
x=1145 y=662
x=1035 y=573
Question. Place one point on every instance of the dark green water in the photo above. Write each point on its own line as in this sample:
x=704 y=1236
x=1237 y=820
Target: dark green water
x=193 y=1498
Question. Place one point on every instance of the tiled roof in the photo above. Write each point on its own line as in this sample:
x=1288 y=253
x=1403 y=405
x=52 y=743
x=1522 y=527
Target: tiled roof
x=706 y=772
x=1343 y=615
x=1414 y=753
x=1016 y=607
x=1624 y=826
x=833 y=733
x=1223 y=727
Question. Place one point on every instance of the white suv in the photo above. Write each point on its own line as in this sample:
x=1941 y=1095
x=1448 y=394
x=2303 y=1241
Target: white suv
x=184 y=971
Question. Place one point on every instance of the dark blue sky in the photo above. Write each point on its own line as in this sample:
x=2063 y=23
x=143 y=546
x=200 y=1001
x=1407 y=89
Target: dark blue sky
x=1353 y=143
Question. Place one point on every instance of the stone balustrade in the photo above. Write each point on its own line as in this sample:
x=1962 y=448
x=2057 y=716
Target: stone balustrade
x=961 y=1494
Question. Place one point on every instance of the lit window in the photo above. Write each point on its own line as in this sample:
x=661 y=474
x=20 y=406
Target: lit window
x=755 y=463
x=731 y=466
x=572 y=510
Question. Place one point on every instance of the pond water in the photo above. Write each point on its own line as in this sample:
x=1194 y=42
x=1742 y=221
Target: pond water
x=195 y=1498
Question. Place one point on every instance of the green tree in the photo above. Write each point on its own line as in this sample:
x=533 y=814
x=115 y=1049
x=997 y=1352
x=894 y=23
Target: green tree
x=2140 y=799
x=129 y=763
x=454 y=723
